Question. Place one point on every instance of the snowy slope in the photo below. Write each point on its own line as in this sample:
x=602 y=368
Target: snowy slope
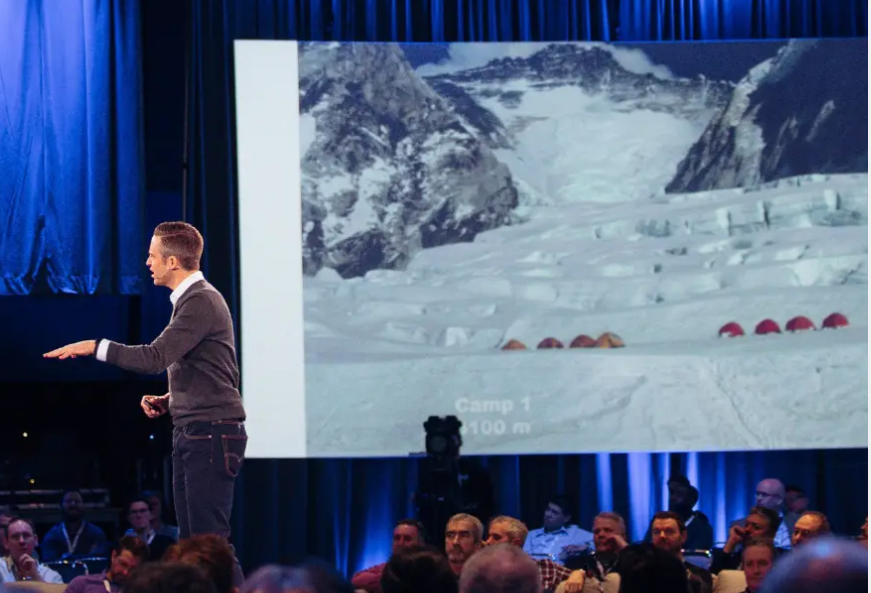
x=396 y=346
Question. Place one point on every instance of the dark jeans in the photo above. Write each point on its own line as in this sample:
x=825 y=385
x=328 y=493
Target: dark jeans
x=206 y=458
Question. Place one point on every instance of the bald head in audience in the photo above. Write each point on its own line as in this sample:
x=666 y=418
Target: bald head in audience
x=824 y=564
x=501 y=568
x=770 y=493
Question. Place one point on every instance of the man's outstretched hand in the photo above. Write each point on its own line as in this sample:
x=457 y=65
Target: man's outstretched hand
x=83 y=348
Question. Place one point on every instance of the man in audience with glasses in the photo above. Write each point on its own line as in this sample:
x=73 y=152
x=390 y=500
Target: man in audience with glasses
x=20 y=564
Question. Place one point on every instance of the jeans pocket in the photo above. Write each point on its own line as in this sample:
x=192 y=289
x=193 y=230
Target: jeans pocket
x=234 y=452
x=197 y=431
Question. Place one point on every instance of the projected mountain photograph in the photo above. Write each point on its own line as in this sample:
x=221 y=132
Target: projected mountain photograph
x=585 y=247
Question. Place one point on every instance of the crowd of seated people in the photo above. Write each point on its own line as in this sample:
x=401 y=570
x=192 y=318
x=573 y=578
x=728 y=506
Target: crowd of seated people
x=503 y=555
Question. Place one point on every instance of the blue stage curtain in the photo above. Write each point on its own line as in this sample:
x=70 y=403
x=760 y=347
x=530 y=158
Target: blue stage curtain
x=71 y=158
x=342 y=510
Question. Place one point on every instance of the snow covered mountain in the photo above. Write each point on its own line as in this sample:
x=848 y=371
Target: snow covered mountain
x=803 y=111
x=574 y=122
x=387 y=169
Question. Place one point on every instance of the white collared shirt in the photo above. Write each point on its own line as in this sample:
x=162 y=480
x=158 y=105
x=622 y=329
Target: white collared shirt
x=185 y=284
x=8 y=573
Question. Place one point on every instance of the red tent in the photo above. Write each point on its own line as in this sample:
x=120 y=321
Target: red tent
x=549 y=343
x=835 y=320
x=731 y=330
x=767 y=326
x=800 y=323
x=514 y=345
x=583 y=341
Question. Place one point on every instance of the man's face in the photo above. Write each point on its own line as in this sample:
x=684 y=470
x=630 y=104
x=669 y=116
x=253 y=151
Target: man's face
x=796 y=502
x=71 y=505
x=757 y=563
x=139 y=515
x=555 y=517
x=604 y=531
x=4 y=523
x=769 y=494
x=678 y=495
x=863 y=531
x=460 y=542
x=498 y=534
x=667 y=536
x=405 y=536
x=121 y=566
x=21 y=540
x=158 y=265
x=806 y=529
x=756 y=526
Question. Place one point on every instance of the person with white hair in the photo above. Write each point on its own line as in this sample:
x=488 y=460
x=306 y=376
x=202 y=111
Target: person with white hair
x=501 y=568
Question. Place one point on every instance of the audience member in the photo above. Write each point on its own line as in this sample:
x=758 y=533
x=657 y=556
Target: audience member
x=155 y=505
x=646 y=569
x=463 y=537
x=211 y=554
x=761 y=522
x=810 y=525
x=501 y=568
x=682 y=498
x=508 y=530
x=139 y=517
x=273 y=578
x=73 y=536
x=863 y=533
x=609 y=538
x=825 y=564
x=5 y=518
x=418 y=569
x=325 y=578
x=20 y=565
x=558 y=539
x=796 y=502
x=758 y=558
x=406 y=533
x=167 y=577
x=669 y=534
x=770 y=494
x=127 y=555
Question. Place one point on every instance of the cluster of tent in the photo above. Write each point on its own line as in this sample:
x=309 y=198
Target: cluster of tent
x=797 y=324
x=606 y=340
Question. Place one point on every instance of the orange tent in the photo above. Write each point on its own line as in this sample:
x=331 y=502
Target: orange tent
x=549 y=343
x=767 y=326
x=731 y=330
x=835 y=320
x=800 y=323
x=583 y=341
x=514 y=345
x=609 y=340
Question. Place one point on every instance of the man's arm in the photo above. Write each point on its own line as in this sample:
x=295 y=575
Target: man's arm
x=369 y=579
x=191 y=323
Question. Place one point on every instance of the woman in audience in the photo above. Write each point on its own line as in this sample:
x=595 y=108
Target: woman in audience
x=419 y=569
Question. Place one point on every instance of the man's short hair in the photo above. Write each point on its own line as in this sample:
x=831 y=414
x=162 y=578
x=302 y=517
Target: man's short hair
x=418 y=569
x=17 y=519
x=760 y=542
x=502 y=568
x=181 y=240
x=611 y=516
x=825 y=527
x=666 y=515
x=421 y=530
x=134 y=545
x=644 y=568
x=771 y=516
x=168 y=577
x=477 y=526
x=517 y=529
x=211 y=553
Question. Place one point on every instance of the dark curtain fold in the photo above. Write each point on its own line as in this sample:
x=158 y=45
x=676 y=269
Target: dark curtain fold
x=342 y=510
x=71 y=152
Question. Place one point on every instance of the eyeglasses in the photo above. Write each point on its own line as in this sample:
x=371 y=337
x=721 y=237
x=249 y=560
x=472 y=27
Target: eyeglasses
x=139 y=511
x=25 y=537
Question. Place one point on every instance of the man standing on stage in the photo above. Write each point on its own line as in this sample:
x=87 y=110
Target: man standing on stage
x=198 y=349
